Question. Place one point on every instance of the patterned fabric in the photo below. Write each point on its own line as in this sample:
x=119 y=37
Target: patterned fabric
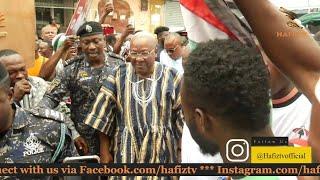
x=59 y=68
x=114 y=59
x=38 y=89
x=232 y=21
x=159 y=50
x=34 y=137
x=147 y=133
x=63 y=108
x=82 y=83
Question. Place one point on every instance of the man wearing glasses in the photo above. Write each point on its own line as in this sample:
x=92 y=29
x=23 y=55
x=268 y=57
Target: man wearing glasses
x=139 y=108
x=173 y=50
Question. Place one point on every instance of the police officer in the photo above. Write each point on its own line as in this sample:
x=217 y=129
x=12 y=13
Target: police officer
x=81 y=80
x=29 y=90
x=30 y=136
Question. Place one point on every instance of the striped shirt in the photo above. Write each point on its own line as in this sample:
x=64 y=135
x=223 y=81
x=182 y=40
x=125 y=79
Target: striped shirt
x=146 y=133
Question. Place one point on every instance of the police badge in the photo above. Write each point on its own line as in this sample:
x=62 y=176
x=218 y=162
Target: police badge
x=33 y=146
x=83 y=74
x=88 y=28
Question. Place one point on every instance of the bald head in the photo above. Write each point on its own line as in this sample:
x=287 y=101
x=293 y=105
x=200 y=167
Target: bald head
x=14 y=64
x=173 y=37
x=144 y=37
x=173 y=46
x=142 y=53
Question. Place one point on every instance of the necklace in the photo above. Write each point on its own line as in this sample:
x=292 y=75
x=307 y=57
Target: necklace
x=144 y=90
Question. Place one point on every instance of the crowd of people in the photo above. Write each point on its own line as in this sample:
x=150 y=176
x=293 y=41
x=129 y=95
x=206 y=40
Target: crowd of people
x=138 y=97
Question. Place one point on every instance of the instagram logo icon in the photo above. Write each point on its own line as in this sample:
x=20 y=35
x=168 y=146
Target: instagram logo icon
x=237 y=150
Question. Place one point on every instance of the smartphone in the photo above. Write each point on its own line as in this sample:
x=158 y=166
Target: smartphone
x=108 y=30
x=82 y=159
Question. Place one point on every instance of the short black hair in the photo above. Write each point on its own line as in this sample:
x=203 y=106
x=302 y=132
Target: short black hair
x=4 y=78
x=230 y=81
x=7 y=52
x=160 y=29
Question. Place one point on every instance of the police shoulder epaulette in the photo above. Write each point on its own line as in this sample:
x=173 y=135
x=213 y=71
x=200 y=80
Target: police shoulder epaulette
x=73 y=60
x=47 y=114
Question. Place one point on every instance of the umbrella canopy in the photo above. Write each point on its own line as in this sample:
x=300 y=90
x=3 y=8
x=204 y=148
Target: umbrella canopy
x=312 y=18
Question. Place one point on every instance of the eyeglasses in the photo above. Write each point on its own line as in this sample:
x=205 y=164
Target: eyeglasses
x=170 y=51
x=144 y=54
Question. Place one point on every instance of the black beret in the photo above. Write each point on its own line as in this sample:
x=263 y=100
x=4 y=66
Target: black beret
x=89 y=28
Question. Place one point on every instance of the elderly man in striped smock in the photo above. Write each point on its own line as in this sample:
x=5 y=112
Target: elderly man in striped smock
x=138 y=109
